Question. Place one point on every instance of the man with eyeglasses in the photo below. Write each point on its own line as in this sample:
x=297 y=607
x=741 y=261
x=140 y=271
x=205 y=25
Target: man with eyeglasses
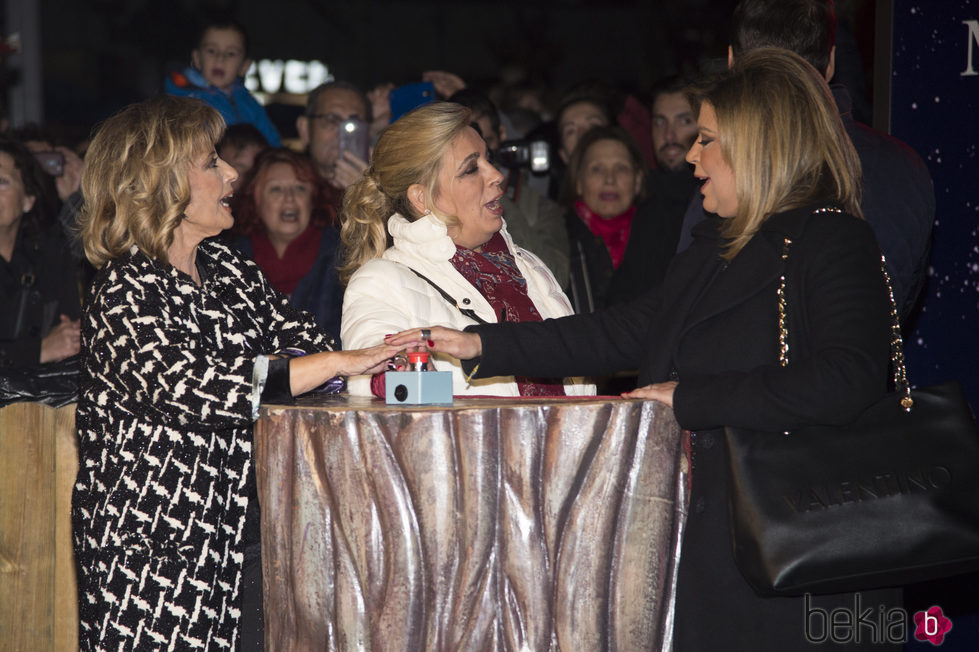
x=326 y=107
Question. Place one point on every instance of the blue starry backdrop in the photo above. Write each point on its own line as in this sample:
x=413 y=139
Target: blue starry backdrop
x=935 y=109
x=934 y=97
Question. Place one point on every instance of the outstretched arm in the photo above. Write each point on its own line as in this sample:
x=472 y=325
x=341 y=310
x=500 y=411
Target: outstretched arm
x=311 y=371
x=459 y=344
x=577 y=345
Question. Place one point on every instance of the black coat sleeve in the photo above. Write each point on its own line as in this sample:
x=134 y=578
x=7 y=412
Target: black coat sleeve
x=578 y=345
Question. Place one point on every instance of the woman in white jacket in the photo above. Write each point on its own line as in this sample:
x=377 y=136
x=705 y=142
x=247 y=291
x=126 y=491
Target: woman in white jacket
x=425 y=243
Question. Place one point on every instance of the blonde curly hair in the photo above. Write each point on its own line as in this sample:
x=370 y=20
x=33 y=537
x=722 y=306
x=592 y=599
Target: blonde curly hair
x=136 y=179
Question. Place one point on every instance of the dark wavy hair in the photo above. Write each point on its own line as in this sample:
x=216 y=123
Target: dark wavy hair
x=245 y=205
x=37 y=184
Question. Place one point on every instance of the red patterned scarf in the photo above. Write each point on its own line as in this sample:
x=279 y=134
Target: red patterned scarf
x=494 y=272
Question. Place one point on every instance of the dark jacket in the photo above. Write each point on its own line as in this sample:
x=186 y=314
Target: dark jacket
x=713 y=327
x=653 y=239
x=536 y=223
x=898 y=202
x=38 y=285
x=319 y=292
x=593 y=281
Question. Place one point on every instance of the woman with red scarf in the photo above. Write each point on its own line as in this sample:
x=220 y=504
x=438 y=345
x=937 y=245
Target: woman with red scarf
x=425 y=241
x=284 y=222
x=603 y=186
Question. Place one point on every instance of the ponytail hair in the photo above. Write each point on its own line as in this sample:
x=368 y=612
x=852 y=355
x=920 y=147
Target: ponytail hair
x=409 y=151
x=363 y=235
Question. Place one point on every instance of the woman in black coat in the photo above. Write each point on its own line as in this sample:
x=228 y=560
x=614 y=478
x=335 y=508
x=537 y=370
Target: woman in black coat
x=776 y=166
x=604 y=198
x=38 y=282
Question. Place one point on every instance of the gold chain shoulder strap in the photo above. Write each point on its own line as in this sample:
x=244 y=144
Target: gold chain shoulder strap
x=897 y=342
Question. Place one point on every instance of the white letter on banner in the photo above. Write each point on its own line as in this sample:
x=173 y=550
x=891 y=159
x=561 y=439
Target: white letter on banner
x=295 y=79
x=317 y=74
x=251 y=78
x=973 y=26
x=270 y=73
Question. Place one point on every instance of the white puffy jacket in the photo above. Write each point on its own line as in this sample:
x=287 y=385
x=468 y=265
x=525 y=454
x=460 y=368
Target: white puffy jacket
x=384 y=296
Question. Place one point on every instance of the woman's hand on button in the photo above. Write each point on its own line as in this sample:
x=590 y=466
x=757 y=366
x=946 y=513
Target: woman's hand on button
x=352 y=362
x=458 y=344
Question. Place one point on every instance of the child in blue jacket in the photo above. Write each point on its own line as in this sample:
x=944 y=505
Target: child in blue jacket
x=220 y=62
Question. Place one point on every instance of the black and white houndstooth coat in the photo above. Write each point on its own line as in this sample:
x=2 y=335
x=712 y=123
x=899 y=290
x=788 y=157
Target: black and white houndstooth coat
x=165 y=429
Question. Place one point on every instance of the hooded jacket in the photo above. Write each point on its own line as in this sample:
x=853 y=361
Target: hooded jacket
x=238 y=106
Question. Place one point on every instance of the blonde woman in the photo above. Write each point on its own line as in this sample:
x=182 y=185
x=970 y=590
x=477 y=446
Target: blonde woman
x=775 y=163
x=433 y=194
x=181 y=340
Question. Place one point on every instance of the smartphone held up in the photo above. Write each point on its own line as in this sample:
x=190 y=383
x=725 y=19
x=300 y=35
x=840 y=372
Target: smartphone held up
x=410 y=96
x=355 y=138
x=52 y=162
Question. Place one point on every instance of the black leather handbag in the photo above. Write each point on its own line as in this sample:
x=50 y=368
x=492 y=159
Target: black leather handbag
x=889 y=500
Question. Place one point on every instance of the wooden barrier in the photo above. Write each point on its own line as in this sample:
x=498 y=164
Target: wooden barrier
x=38 y=463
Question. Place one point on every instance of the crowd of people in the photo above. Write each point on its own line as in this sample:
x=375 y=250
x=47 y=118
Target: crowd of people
x=199 y=267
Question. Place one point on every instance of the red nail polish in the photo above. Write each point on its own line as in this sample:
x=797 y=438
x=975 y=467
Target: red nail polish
x=431 y=343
